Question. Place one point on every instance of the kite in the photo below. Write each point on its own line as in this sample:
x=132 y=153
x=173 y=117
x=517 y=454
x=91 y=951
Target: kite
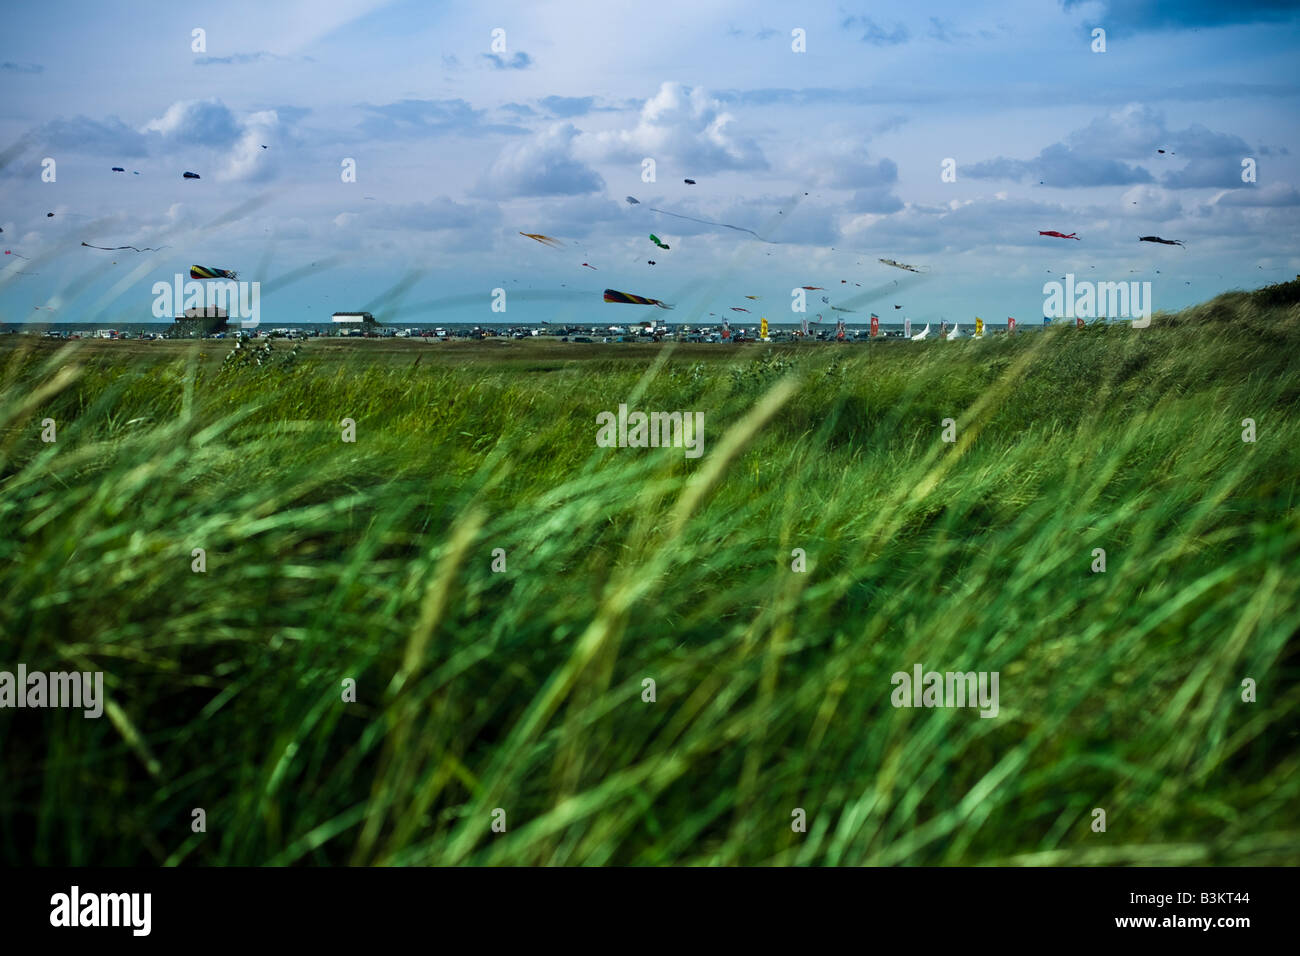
x=612 y=295
x=836 y=308
x=634 y=201
x=8 y=253
x=898 y=306
x=1167 y=242
x=813 y=288
x=1058 y=235
x=49 y=215
x=204 y=272
x=899 y=265
x=116 y=248
x=658 y=242
x=826 y=299
x=689 y=182
x=650 y=261
x=544 y=240
x=709 y=222
x=736 y=308
x=590 y=266
x=118 y=169
x=751 y=297
x=189 y=175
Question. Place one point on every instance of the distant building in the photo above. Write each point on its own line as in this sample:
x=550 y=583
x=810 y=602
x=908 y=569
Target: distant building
x=354 y=318
x=200 y=321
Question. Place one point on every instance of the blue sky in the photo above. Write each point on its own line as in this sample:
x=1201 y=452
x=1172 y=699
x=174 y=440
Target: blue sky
x=459 y=148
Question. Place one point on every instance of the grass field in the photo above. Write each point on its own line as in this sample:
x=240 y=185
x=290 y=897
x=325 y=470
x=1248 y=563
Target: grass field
x=523 y=690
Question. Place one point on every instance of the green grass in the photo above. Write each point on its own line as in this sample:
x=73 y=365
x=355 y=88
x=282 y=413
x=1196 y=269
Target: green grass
x=523 y=690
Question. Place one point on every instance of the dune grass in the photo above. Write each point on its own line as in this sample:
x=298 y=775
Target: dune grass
x=523 y=690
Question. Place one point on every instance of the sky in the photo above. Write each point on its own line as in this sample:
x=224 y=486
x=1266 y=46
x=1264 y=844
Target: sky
x=469 y=123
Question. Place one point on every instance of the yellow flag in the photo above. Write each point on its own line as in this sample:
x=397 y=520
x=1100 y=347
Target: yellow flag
x=763 y=328
x=979 y=325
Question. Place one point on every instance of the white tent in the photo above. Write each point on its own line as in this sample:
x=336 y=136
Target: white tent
x=954 y=334
x=920 y=336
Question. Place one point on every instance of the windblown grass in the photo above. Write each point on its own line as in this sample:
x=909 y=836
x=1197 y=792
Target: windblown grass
x=523 y=690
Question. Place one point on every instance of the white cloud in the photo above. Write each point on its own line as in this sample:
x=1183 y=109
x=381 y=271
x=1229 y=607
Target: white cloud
x=1274 y=194
x=542 y=165
x=681 y=127
x=197 y=123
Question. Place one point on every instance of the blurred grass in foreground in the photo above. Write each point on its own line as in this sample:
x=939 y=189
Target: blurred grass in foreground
x=522 y=690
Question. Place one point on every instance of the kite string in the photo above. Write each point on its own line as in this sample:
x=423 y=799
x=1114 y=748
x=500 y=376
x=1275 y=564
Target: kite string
x=116 y=248
x=708 y=222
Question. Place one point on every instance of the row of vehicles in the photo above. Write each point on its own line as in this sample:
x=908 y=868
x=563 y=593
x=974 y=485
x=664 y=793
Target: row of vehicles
x=567 y=333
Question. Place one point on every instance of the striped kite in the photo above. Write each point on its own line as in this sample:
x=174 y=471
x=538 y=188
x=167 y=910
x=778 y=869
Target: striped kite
x=1058 y=235
x=544 y=240
x=899 y=265
x=626 y=298
x=204 y=272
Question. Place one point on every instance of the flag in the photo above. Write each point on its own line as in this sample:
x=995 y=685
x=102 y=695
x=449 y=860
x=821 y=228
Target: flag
x=875 y=325
x=726 y=328
x=762 y=328
x=907 y=328
x=1011 y=324
x=979 y=325
x=839 y=329
x=805 y=325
